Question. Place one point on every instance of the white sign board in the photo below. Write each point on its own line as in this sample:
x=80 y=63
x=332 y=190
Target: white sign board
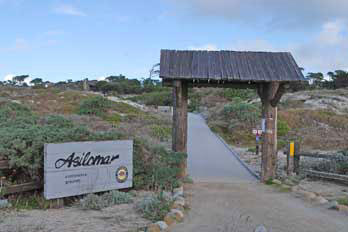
x=85 y=167
x=257 y=132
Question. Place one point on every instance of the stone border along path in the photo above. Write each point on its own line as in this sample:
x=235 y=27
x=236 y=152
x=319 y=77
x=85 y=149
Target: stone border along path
x=175 y=215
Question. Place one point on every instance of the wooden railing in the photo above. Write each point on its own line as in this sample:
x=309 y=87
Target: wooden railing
x=18 y=188
x=296 y=168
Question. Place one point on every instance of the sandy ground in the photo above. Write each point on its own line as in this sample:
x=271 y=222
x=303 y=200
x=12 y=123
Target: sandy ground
x=241 y=206
x=120 y=218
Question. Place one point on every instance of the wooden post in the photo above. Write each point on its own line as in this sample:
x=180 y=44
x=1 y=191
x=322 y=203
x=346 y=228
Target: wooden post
x=179 y=143
x=270 y=94
x=297 y=158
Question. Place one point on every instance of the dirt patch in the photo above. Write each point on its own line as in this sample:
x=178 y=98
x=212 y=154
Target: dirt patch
x=120 y=218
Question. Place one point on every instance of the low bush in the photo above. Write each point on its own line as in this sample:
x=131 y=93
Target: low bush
x=24 y=134
x=242 y=111
x=155 y=207
x=161 y=132
x=96 y=106
x=155 y=167
x=244 y=94
x=282 y=128
x=99 y=201
x=163 y=98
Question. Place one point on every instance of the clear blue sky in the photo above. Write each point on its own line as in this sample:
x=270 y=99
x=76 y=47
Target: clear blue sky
x=59 y=40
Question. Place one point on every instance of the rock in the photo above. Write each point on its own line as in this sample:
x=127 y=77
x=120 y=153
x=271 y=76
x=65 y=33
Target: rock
x=294 y=188
x=260 y=228
x=289 y=182
x=333 y=205
x=179 y=215
x=308 y=195
x=320 y=200
x=163 y=225
x=343 y=209
x=275 y=181
x=179 y=207
x=153 y=228
x=169 y=219
x=180 y=201
x=178 y=192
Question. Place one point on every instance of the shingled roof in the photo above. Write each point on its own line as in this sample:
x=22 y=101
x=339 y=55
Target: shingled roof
x=231 y=66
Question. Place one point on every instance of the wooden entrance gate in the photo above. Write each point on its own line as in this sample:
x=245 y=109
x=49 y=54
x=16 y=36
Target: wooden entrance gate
x=268 y=72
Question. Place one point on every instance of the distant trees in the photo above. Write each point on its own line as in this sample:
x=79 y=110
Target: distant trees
x=337 y=79
x=19 y=80
x=37 y=81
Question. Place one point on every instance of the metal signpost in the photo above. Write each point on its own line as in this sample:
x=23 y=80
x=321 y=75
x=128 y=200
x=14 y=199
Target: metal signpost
x=77 y=168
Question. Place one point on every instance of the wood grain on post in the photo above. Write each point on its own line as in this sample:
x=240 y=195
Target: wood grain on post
x=270 y=94
x=179 y=143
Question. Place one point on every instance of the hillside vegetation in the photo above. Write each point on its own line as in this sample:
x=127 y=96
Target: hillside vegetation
x=318 y=119
x=29 y=118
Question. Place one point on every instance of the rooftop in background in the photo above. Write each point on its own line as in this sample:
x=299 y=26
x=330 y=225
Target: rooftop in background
x=229 y=66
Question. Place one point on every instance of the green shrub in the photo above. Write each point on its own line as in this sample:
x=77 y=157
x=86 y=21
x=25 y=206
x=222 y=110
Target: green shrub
x=161 y=132
x=155 y=167
x=96 y=106
x=100 y=201
x=282 y=128
x=242 y=111
x=163 y=98
x=23 y=136
x=114 y=119
x=155 y=207
x=244 y=94
x=116 y=197
x=93 y=201
x=343 y=201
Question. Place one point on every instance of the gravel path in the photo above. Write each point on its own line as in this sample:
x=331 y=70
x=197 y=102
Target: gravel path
x=226 y=198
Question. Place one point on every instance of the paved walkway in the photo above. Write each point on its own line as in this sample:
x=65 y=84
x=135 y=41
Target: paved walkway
x=226 y=198
x=208 y=158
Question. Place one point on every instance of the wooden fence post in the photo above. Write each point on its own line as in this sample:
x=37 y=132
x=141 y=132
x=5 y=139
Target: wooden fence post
x=179 y=136
x=297 y=158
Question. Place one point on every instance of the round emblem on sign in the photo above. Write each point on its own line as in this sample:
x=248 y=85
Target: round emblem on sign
x=121 y=174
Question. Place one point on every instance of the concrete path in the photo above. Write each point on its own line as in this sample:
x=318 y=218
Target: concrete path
x=226 y=198
x=208 y=158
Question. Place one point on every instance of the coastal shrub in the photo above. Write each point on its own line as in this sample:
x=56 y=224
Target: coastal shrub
x=155 y=207
x=24 y=134
x=244 y=94
x=96 y=106
x=156 y=168
x=99 y=201
x=282 y=128
x=242 y=111
x=161 y=132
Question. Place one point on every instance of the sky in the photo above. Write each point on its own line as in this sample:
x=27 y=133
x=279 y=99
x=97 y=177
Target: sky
x=58 y=40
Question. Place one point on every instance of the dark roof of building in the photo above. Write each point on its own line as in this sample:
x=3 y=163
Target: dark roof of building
x=229 y=65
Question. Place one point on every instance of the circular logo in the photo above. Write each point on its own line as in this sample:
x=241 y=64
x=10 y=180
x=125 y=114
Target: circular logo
x=121 y=174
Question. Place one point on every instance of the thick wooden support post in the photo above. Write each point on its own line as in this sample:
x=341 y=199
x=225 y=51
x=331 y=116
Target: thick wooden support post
x=179 y=143
x=270 y=94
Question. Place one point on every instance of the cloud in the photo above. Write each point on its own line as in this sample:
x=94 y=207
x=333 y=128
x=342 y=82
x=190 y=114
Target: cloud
x=271 y=13
x=8 y=77
x=69 y=10
x=208 y=47
x=323 y=52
